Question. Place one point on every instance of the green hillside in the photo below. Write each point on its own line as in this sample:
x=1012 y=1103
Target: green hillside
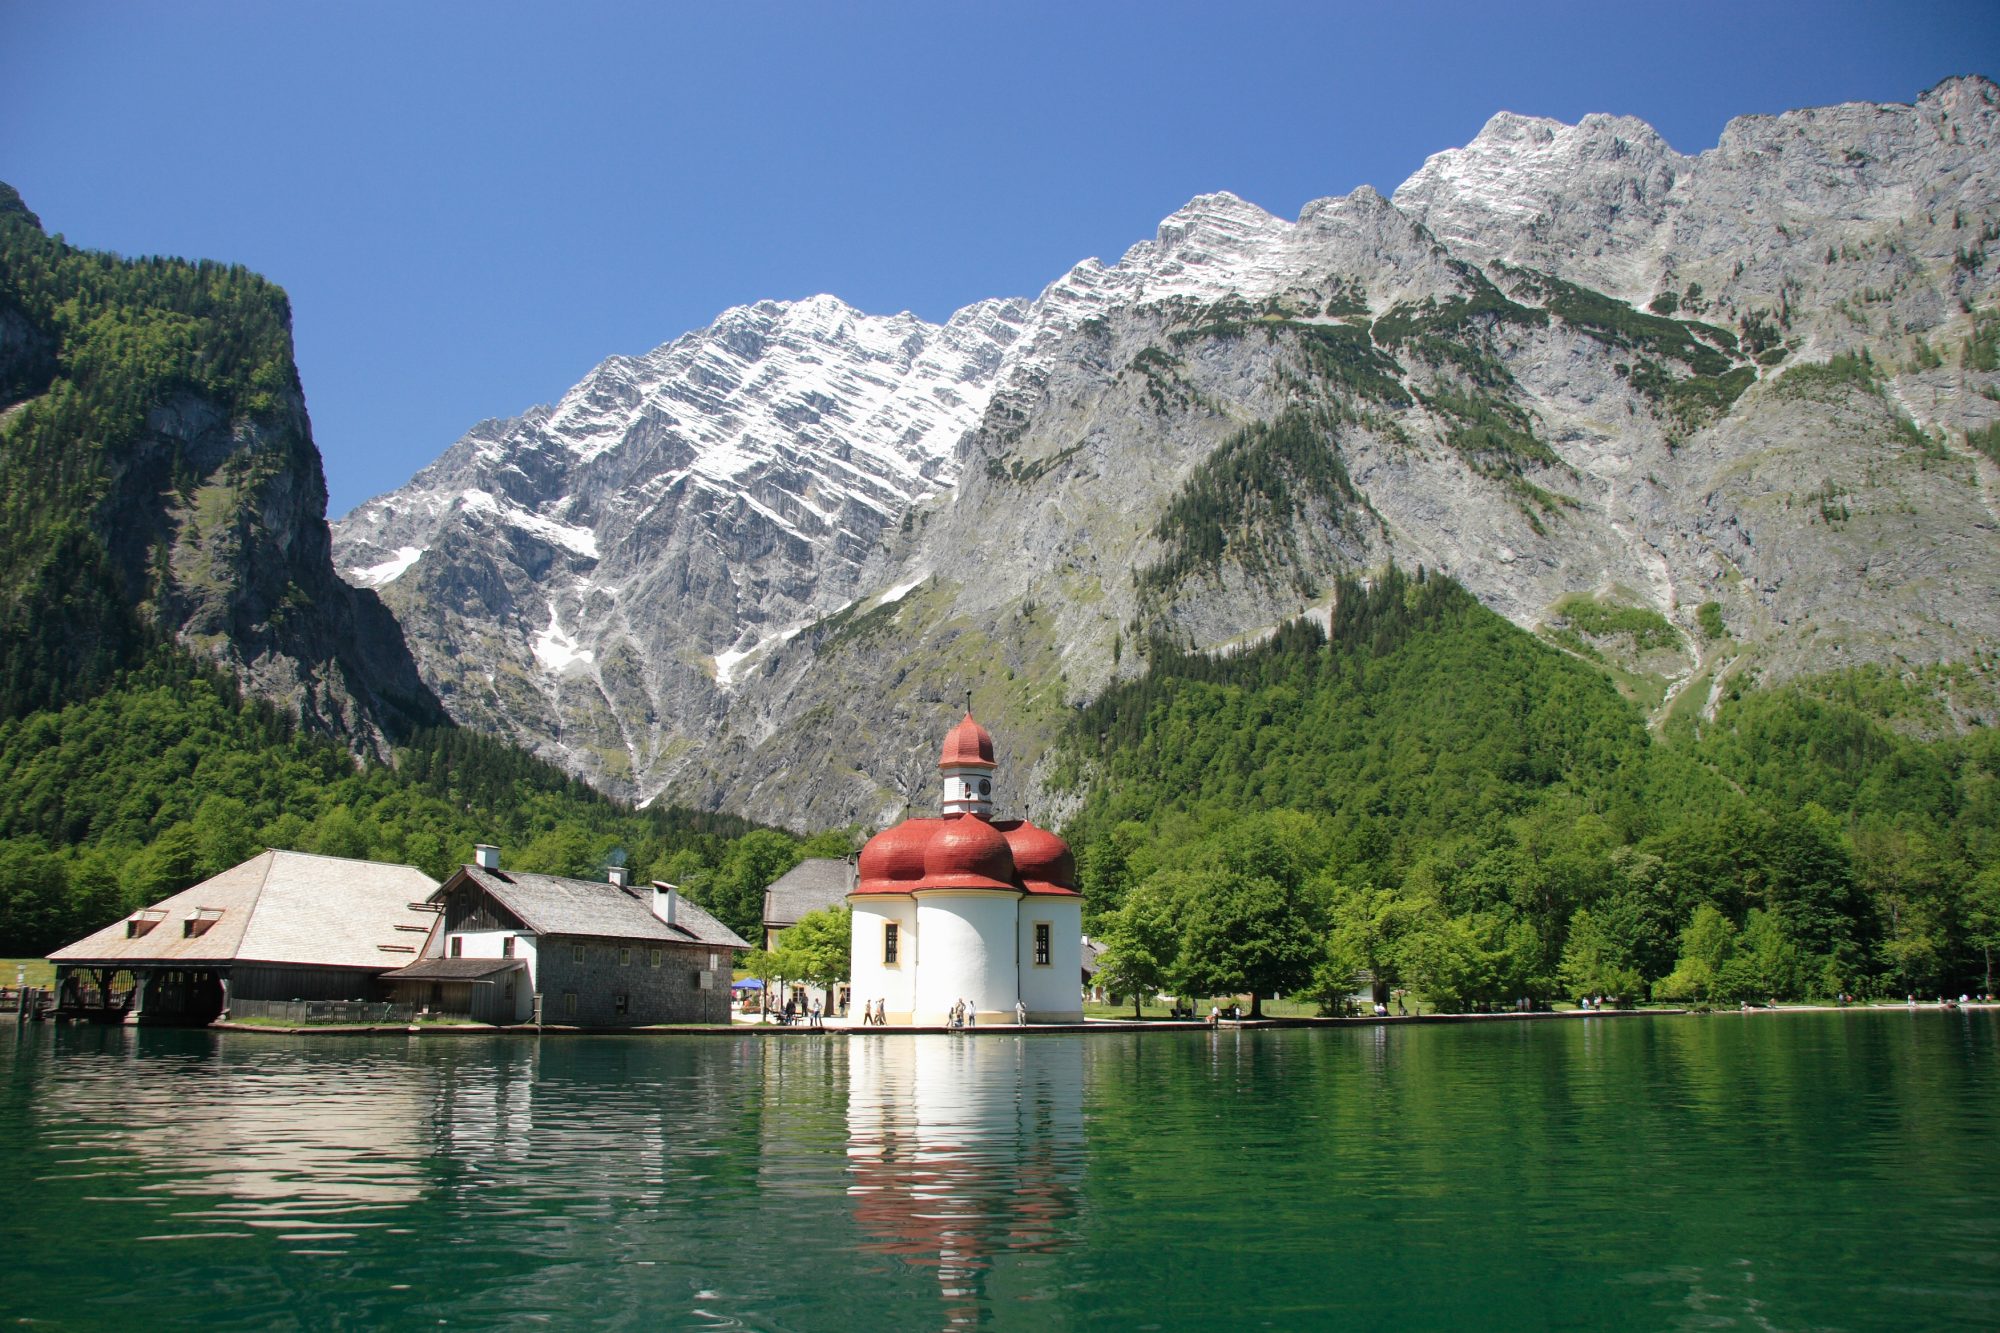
x=130 y=767
x=1431 y=793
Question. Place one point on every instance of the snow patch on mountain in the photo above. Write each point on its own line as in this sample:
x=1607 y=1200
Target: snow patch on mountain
x=387 y=571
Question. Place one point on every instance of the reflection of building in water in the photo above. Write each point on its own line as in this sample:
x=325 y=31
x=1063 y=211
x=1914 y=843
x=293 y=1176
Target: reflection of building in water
x=962 y=1150
x=310 y=1142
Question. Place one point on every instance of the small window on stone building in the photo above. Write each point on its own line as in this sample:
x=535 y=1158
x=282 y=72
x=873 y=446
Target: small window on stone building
x=653 y=957
x=624 y=958
x=714 y=962
x=621 y=1002
x=1042 y=944
x=889 y=943
x=458 y=946
x=576 y=954
x=569 y=1004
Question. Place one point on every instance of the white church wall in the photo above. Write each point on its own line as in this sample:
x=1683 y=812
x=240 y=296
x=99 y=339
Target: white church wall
x=967 y=954
x=873 y=979
x=1053 y=994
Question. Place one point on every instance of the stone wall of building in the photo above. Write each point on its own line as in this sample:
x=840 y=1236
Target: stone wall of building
x=617 y=983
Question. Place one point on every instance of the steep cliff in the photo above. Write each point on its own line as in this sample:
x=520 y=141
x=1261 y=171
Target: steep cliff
x=160 y=487
x=1699 y=420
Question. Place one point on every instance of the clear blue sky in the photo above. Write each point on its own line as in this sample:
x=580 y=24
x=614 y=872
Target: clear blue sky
x=472 y=204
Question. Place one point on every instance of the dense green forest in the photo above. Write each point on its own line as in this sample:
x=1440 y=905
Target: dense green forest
x=1431 y=794
x=128 y=768
x=170 y=777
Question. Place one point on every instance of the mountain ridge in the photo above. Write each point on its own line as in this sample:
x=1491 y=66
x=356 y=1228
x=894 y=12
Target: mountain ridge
x=1645 y=427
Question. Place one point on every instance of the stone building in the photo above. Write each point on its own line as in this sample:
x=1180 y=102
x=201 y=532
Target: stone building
x=965 y=907
x=597 y=953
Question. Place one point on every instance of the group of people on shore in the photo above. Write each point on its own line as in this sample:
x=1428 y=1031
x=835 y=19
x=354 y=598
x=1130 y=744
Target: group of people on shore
x=799 y=1009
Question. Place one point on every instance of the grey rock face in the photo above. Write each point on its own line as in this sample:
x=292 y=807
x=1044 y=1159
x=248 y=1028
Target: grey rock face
x=756 y=568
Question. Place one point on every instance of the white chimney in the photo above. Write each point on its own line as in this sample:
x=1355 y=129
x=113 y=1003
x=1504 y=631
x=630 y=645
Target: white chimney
x=665 y=900
x=486 y=856
x=619 y=875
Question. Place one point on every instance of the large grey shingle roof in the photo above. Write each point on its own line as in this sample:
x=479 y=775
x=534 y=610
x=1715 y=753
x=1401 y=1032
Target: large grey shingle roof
x=558 y=905
x=280 y=907
x=814 y=883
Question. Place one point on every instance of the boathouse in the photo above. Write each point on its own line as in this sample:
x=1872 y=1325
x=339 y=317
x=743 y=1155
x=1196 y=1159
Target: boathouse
x=281 y=926
x=591 y=953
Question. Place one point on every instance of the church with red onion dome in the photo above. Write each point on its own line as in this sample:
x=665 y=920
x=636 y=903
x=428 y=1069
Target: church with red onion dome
x=968 y=909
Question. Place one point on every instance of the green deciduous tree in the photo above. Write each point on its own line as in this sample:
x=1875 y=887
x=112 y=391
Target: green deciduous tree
x=1141 y=942
x=815 y=948
x=1246 y=933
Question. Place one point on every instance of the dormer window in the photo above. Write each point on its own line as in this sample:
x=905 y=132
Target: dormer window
x=142 y=922
x=199 y=921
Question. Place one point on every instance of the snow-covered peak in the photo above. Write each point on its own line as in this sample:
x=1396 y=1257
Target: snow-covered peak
x=1519 y=165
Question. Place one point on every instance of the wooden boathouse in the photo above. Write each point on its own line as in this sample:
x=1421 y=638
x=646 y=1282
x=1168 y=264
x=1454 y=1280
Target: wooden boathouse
x=281 y=926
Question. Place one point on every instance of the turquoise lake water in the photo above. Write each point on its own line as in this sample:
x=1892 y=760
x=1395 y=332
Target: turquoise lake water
x=1820 y=1171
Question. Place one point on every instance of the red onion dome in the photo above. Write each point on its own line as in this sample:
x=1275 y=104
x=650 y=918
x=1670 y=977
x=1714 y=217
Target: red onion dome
x=968 y=745
x=893 y=860
x=968 y=853
x=1041 y=859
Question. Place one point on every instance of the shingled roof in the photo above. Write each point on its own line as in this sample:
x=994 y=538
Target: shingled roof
x=277 y=907
x=814 y=883
x=456 y=969
x=558 y=905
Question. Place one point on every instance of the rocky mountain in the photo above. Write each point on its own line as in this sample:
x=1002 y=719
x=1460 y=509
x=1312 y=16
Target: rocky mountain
x=1699 y=419
x=159 y=489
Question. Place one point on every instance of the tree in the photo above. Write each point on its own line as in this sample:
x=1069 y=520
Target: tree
x=1444 y=959
x=1366 y=924
x=816 y=948
x=567 y=850
x=1246 y=933
x=1766 y=961
x=753 y=861
x=1707 y=944
x=1982 y=919
x=1140 y=942
x=33 y=892
x=1593 y=963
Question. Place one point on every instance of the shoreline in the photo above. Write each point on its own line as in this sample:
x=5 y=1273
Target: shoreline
x=775 y=1030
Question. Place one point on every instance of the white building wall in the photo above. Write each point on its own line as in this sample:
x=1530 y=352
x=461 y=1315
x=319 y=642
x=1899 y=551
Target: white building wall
x=967 y=953
x=872 y=980
x=492 y=944
x=1053 y=994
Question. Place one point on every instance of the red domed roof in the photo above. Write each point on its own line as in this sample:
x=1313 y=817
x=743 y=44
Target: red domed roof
x=968 y=745
x=893 y=860
x=1042 y=861
x=968 y=853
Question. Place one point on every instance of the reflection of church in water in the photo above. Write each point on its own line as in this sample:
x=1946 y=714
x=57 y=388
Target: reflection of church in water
x=962 y=1152
x=964 y=907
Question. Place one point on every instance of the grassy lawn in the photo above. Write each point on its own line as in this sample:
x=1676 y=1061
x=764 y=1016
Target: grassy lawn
x=39 y=971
